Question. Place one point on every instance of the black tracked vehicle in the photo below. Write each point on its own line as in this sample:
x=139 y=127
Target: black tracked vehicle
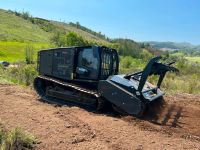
x=88 y=77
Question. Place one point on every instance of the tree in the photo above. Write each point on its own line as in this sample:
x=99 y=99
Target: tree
x=57 y=39
x=26 y=15
x=78 y=25
x=72 y=39
x=128 y=47
x=145 y=55
x=142 y=45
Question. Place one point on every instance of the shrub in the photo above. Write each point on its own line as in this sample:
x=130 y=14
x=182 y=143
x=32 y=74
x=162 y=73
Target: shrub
x=145 y=55
x=22 y=74
x=16 y=139
x=126 y=62
x=129 y=64
x=70 y=39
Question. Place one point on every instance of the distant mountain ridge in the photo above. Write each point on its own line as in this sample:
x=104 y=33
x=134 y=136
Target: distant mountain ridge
x=173 y=45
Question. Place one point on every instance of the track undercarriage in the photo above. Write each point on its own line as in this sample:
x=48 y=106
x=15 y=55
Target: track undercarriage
x=63 y=93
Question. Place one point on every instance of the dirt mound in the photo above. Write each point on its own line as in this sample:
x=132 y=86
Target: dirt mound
x=176 y=126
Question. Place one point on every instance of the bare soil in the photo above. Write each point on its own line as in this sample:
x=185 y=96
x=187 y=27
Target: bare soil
x=175 y=126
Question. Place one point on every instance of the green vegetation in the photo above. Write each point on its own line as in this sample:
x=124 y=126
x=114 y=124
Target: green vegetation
x=79 y=26
x=70 y=39
x=14 y=28
x=66 y=28
x=193 y=59
x=15 y=51
x=177 y=54
x=16 y=139
x=186 y=81
x=21 y=74
x=129 y=64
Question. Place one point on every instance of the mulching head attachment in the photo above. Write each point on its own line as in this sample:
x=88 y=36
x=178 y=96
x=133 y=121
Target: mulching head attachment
x=131 y=93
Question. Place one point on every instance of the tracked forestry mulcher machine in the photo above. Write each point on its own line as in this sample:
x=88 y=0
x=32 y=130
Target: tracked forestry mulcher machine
x=88 y=77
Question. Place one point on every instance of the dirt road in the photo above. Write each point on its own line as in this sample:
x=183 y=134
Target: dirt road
x=176 y=127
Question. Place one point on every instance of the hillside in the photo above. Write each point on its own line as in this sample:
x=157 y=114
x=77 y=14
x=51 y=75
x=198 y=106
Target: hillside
x=14 y=27
x=19 y=29
x=86 y=35
x=16 y=32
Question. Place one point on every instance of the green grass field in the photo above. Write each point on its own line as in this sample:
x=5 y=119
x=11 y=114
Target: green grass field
x=193 y=59
x=15 y=51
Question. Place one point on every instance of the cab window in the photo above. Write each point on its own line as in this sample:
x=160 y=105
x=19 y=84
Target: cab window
x=88 y=59
x=88 y=64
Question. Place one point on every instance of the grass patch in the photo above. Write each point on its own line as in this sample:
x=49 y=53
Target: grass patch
x=4 y=81
x=22 y=74
x=129 y=64
x=178 y=54
x=16 y=139
x=193 y=59
x=173 y=84
x=15 y=51
x=14 y=28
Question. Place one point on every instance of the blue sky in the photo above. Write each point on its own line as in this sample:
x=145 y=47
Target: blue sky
x=140 y=20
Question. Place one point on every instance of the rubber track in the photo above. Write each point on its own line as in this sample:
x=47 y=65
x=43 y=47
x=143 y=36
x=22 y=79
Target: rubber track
x=70 y=85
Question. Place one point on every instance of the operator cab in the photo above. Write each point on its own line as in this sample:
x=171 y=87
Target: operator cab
x=96 y=62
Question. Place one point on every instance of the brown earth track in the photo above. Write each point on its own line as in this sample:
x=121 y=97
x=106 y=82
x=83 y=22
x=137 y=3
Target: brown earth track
x=176 y=126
